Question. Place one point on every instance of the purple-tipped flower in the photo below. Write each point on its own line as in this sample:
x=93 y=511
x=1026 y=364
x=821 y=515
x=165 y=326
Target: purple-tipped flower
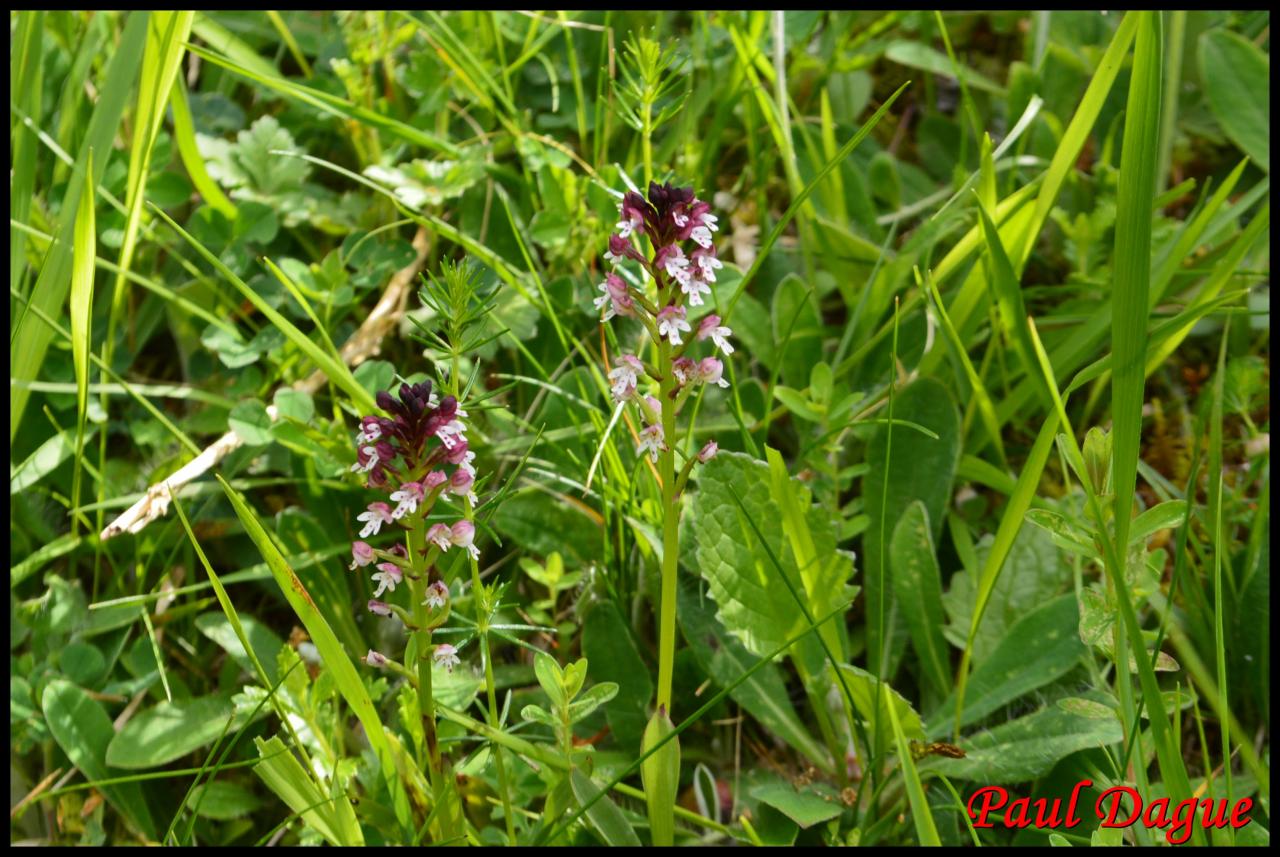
x=463 y=534
x=652 y=408
x=376 y=659
x=407 y=499
x=625 y=376
x=711 y=328
x=704 y=259
x=710 y=370
x=379 y=608
x=614 y=292
x=370 y=430
x=671 y=320
x=376 y=515
x=387 y=576
x=446 y=656
x=708 y=451
x=361 y=555
x=437 y=595
x=460 y=484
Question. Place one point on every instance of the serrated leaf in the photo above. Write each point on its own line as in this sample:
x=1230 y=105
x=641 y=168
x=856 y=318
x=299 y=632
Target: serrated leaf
x=262 y=170
x=753 y=604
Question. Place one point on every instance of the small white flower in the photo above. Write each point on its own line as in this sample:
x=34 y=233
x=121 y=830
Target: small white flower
x=625 y=377
x=361 y=555
x=701 y=235
x=710 y=371
x=440 y=536
x=709 y=220
x=710 y=328
x=671 y=320
x=407 y=498
x=452 y=434
x=377 y=515
x=708 y=265
x=437 y=595
x=626 y=227
x=387 y=576
x=446 y=656
x=708 y=451
x=676 y=264
x=695 y=289
x=462 y=534
x=652 y=441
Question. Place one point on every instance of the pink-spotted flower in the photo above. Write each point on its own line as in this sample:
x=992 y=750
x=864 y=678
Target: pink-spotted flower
x=707 y=263
x=370 y=430
x=376 y=659
x=625 y=377
x=387 y=576
x=437 y=595
x=366 y=459
x=708 y=451
x=376 y=515
x=407 y=499
x=711 y=328
x=652 y=441
x=361 y=555
x=671 y=320
x=446 y=656
x=695 y=289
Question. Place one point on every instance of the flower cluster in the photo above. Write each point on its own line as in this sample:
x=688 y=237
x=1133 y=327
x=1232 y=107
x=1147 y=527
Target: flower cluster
x=683 y=264
x=415 y=455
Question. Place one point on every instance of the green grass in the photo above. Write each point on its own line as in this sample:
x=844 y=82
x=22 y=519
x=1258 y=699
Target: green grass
x=998 y=285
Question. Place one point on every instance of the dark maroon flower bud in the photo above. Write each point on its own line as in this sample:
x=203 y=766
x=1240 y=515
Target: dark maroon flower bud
x=385 y=401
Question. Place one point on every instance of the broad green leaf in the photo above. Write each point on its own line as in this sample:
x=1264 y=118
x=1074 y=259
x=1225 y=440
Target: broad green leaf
x=1163 y=516
x=168 y=731
x=764 y=695
x=1039 y=648
x=917 y=586
x=1024 y=749
x=250 y=422
x=223 y=800
x=608 y=645
x=83 y=730
x=602 y=813
x=753 y=604
x=811 y=805
x=1235 y=71
x=294 y=404
x=918 y=55
x=266 y=645
x=48 y=456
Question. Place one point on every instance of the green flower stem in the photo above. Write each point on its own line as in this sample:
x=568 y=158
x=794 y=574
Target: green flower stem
x=670 y=530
